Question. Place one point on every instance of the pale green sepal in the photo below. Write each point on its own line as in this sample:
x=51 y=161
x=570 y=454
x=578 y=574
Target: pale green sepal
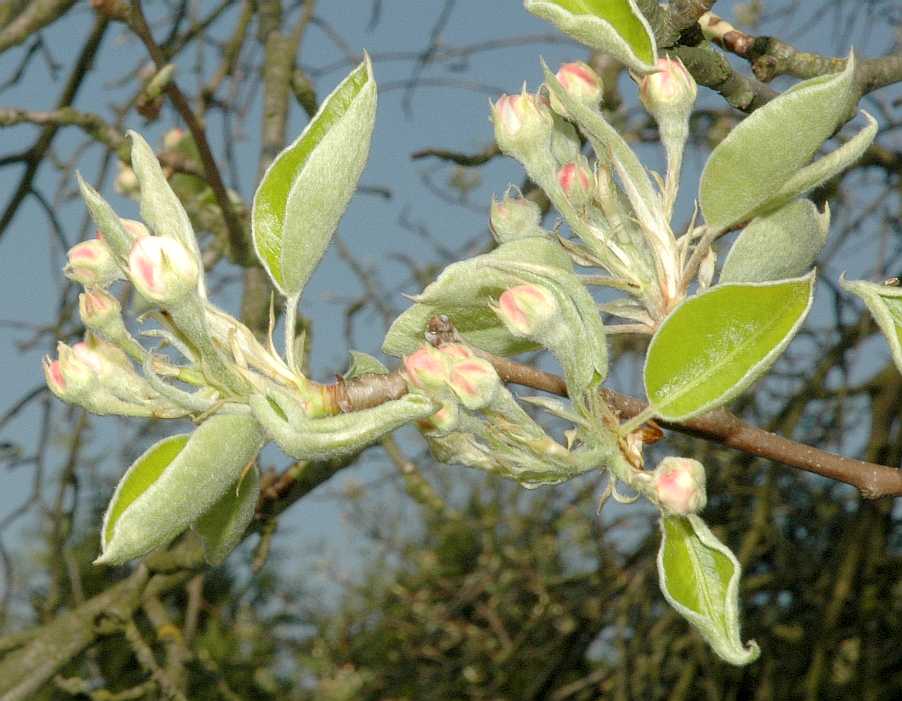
x=780 y=245
x=760 y=155
x=607 y=144
x=303 y=438
x=160 y=208
x=825 y=168
x=363 y=364
x=106 y=220
x=699 y=577
x=885 y=305
x=616 y=27
x=172 y=484
x=222 y=527
x=712 y=346
x=464 y=292
x=307 y=187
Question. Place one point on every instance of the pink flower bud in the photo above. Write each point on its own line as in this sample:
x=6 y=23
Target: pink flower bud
x=680 y=485
x=53 y=375
x=522 y=122
x=69 y=376
x=475 y=382
x=527 y=310
x=92 y=264
x=514 y=217
x=456 y=351
x=577 y=182
x=162 y=269
x=427 y=368
x=581 y=83
x=444 y=420
x=98 y=309
x=671 y=90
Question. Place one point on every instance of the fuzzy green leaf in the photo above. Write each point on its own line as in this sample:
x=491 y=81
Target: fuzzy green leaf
x=885 y=305
x=699 y=577
x=827 y=167
x=363 y=364
x=222 y=527
x=713 y=346
x=771 y=145
x=616 y=27
x=307 y=187
x=173 y=483
x=106 y=220
x=779 y=245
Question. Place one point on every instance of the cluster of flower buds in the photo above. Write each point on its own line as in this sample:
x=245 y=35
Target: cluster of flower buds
x=679 y=485
x=452 y=375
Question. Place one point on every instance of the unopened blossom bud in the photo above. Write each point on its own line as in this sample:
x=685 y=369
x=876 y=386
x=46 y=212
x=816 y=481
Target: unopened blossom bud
x=172 y=139
x=670 y=93
x=456 y=351
x=581 y=83
x=527 y=310
x=162 y=269
x=443 y=421
x=92 y=264
x=514 y=217
x=679 y=485
x=522 y=123
x=427 y=368
x=98 y=309
x=577 y=182
x=475 y=382
x=69 y=376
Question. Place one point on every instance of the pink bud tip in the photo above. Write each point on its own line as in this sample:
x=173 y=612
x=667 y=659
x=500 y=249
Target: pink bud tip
x=575 y=180
x=680 y=485
x=426 y=368
x=527 y=310
x=56 y=374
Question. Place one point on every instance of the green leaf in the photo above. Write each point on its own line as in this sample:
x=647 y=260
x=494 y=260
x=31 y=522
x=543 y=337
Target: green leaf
x=160 y=207
x=779 y=245
x=699 y=577
x=363 y=364
x=222 y=527
x=106 y=220
x=141 y=475
x=173 y=483
x=771 y=145
x=827 y=167
x=307 y=187
x=885 y=305
x=616 y=27
x=714 y=345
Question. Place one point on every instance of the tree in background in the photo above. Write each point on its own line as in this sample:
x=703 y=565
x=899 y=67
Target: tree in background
x=503 y=595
